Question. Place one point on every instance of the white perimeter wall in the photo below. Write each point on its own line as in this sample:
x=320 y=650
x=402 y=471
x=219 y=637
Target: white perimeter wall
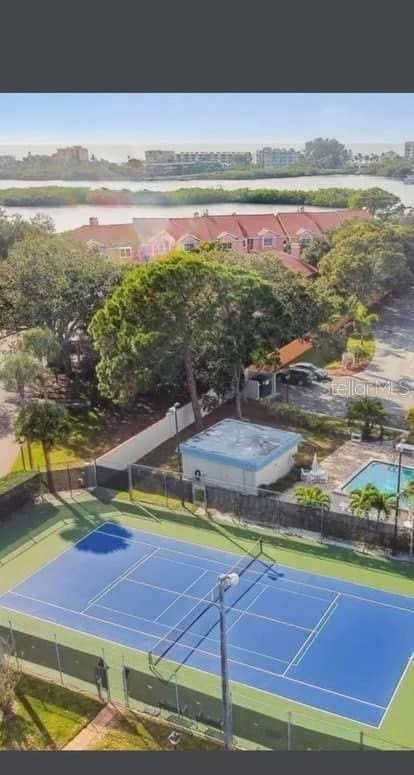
x=144 y=442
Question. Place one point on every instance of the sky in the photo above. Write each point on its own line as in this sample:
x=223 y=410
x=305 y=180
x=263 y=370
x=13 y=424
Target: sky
x=177 y=121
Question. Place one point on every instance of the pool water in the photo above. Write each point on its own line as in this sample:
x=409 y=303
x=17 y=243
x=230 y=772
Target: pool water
x=383 y=475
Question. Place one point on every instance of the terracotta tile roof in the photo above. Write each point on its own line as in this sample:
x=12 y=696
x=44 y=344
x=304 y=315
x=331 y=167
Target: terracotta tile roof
x=295 y=223
x=294 y=264
x=328 y=220
x=107 y=234
x=290 y=352
x=254 y=224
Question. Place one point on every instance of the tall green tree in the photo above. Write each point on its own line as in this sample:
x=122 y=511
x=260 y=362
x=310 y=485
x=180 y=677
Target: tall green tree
x=251 y=318
x=369 y=411
x=376 y=200
x=19 y=370
x=45 y=422
x=305 y=306
x=155 y=327
x=363 y=319
x=326 y=153
x=52 y=282
x=365 y=258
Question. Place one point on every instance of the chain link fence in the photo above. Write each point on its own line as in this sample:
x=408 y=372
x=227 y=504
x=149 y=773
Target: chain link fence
x=119 y=682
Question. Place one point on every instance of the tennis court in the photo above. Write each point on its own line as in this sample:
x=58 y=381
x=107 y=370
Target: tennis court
x=331 y=645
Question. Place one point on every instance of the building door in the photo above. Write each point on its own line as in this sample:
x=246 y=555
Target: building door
x=249 y=244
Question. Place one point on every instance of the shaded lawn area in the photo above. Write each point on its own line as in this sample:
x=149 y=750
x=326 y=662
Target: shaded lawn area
x=131 y=732
x=92 y=433
x=46 y=716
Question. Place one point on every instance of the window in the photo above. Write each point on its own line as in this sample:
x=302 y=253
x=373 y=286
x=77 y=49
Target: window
x=163 y=247
x=188 y=245
x=227 y=245
x=125 y=252
x=267 y=242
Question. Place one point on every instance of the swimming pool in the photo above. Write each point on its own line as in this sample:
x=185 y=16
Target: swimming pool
x=382 y=475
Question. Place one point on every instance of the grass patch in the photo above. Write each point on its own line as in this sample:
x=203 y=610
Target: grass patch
x=138 y=733
x=13 y=479
x=86 y=440
x=46 y=716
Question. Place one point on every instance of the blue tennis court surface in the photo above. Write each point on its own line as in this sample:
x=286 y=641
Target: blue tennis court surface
x=328 y=644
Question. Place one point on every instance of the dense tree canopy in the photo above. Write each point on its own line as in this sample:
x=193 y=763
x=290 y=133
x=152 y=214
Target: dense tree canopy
x=326 y=153
x=180 y=317
x=49 y=281
x=364 y=258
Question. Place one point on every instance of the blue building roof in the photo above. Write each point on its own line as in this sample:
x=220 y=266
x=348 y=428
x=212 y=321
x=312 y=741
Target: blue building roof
x=242 y=444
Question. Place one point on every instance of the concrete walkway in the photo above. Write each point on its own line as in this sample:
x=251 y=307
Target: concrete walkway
x=96 y=729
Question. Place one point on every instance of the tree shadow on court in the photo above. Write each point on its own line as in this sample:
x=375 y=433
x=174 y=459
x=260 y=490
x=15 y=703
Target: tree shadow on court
x=87 y=517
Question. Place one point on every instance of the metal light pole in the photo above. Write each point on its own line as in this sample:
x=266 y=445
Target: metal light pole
x=21 y=442
x=226 y=580
x=400 y=449
x=173 y=410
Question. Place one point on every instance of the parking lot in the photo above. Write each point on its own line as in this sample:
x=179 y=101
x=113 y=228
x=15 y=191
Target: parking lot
x=389 y=376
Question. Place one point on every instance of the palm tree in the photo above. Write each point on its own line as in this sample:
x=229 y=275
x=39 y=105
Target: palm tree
x=382 y=502
x=360 y=502
x=312 y=496
x=369 y=411
x=45 y=422
x=409 y=419
x=19 y=370
x=363 y=320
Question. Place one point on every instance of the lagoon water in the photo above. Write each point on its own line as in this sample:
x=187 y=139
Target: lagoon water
x=68 y=217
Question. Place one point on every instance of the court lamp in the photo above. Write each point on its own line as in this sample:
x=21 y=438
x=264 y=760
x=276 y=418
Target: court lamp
x=226 y=580
x=173 y=411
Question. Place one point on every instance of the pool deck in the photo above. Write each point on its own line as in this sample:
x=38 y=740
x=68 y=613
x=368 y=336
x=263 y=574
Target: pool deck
x=345 y=463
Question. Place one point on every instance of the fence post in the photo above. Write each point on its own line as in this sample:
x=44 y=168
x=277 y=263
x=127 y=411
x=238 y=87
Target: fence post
x=289 y=731
x=130 y=488
x=108 y=688
x=58 y=660
x=361 y=740
x=125 y=673
x=13 y=642
x=69 y=480
x=177 y=697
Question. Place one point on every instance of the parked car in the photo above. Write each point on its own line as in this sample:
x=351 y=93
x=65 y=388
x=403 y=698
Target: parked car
x=295 y=376
x=315 y=372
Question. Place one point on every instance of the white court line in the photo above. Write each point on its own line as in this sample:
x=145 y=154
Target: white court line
x=121 y=577
x=54 y=559
x=203 y=672
x=287 y=568
x=347 y=583
x=315 y=632
x=232 y=608
x=195 y=635
x=245 y=612
x=179 y=595
x=401 y=678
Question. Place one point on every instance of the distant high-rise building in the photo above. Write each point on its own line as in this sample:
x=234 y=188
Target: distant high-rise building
x=409 y=149
x=230 y=158
x=74 y=153
x=163 y=157
x=278 y=157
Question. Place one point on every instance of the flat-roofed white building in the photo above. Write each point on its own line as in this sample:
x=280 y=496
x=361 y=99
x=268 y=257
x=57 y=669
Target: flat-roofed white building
x=238 y=454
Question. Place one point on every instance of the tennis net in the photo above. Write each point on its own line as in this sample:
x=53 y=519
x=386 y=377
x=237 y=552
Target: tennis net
x=178 y=631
